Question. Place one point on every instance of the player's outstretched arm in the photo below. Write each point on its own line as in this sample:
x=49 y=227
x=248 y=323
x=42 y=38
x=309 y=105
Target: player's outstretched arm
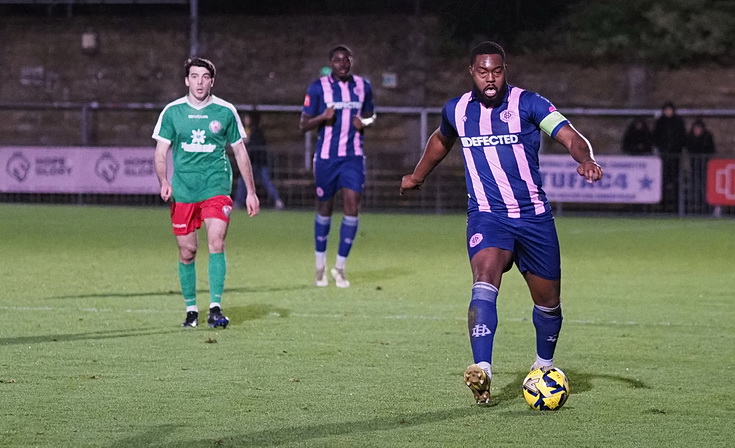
x=581 y=151
x=436 y=149
x=159 y=159
x=246 y=171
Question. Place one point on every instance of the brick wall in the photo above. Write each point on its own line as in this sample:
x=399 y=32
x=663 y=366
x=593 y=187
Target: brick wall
x=271 y=61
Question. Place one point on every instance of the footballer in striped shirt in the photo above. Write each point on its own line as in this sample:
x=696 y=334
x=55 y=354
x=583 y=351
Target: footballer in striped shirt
x=339 y=106
x=499 y=126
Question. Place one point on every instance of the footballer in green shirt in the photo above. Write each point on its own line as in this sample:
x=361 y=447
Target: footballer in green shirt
x=197 y=129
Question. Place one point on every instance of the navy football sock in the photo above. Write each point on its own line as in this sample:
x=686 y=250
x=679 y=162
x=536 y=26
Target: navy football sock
x=548 y=325
x=482 y=321
x=321 y=231
x=347 y=232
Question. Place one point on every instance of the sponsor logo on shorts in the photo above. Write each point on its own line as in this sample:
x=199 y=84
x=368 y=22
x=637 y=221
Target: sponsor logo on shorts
x=475 y=239
x=215 y=126
x=179 y=226
x=319 y=191
x=226 y=210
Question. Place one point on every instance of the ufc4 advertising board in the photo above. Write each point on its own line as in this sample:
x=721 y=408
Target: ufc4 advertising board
x=627 y=180
x=721 y=182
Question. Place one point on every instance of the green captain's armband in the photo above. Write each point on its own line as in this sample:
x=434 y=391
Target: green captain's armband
x=551 y=122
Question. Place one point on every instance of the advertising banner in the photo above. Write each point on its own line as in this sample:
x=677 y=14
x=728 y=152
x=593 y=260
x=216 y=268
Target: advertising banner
x=125 y=170
x=721 y=182
x=627 y=179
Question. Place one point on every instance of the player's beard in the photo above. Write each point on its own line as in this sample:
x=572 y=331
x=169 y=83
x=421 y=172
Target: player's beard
x=493 y=101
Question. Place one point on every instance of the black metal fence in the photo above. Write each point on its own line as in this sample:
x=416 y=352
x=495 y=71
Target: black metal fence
x=391 y=154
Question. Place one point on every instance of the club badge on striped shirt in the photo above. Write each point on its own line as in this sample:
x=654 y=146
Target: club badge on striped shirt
x=506 y=116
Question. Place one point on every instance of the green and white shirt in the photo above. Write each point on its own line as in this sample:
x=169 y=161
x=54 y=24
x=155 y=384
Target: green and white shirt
x=198 y=136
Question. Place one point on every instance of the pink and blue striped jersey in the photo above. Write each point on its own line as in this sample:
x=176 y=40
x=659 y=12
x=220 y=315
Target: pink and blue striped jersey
x=500 y=147
x=349 y=98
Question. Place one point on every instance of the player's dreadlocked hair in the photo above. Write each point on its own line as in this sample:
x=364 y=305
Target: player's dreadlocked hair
x=199 y=62
x=486 y=47
x=339 y=48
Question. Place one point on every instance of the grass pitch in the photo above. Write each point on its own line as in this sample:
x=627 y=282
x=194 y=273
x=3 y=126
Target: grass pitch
x=92 y=355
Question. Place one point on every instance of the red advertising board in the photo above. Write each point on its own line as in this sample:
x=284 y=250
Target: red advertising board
x=721 y=182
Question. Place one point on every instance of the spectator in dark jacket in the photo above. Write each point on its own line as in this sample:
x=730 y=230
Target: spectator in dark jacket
x=637 y=139
x=699 y=139
x=669 y=132
x=701 y=146
x=669 y=137
x=259 y=157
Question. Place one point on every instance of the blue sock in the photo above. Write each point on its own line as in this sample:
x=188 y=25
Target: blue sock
x=347 y=232
x=482 y=321
x=321 y=231
x=548 y=325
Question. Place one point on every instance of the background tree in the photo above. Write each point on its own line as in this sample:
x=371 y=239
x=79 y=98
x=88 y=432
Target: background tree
x=658 y=32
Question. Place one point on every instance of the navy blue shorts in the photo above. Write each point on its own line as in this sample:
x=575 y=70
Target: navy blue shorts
x=533 y=241
x=333 y=175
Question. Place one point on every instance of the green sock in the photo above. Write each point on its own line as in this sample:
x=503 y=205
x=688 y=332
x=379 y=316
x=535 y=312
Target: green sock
x=217 y=272
x=188 y=280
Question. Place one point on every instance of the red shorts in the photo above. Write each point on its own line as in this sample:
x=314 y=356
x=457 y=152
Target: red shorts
x=187 y=217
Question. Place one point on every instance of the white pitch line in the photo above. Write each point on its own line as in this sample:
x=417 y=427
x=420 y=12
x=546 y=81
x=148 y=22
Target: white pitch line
x=364 y=316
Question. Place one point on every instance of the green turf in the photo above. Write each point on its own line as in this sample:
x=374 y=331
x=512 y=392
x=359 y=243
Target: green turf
x=91 y=352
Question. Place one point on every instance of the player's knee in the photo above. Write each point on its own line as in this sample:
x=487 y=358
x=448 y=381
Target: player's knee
x=551 y=301
x=216 y=247
x=187 y=254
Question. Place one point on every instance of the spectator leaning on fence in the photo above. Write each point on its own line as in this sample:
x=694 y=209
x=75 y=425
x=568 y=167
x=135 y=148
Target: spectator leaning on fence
x=669 y=137
x=699 y=139
x=260 y=160
x=637 y=139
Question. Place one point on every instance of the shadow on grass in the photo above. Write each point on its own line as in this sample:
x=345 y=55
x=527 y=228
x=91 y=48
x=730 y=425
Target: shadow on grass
x=200 y=292
x=302 y=434
x=238 y=314
x=579 y=382
x=506 y=398
x=359 y=276
x=159 y=432
x=582 y=382
x=94 y=335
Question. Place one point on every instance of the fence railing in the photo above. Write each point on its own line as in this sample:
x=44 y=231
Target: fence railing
x=402 y=133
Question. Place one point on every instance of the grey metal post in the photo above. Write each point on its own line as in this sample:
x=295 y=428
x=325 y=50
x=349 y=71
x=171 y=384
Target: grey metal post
x=84 y=124
x=682 y=187
x=307 y=150
x=194 y=27
x=424 y=129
